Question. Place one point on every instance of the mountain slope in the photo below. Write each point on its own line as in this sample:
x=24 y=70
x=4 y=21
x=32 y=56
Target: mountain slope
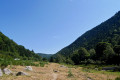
x=9 y=48
x=108 y=31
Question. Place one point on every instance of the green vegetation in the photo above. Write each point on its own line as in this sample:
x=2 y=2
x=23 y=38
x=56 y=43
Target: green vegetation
x=70 y=73
x=100 y=45
x=118 y=78
x=42 y=64
x=11 y=50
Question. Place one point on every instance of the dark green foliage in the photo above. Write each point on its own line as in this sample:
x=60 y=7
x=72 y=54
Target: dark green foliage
x=117 y=55
x=4 y=64
x=69 y=61
x=117 y=49
x=104 y=52
x=92 y=54
x=80 y=55
x=118 y=78
x=44 y=59
x=51 y=59
x=12 y=49
x=59 y=58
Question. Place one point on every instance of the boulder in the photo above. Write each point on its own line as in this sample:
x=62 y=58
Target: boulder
x=1 y=73
x=21 y=74
x=109 y=68
x=7 y=71
x=29 y=68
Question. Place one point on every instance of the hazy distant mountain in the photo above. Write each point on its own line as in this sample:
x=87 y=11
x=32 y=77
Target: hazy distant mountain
x=45 y=55
x=108 y=31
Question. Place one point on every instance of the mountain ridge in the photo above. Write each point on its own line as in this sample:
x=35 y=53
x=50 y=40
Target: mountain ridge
x=90 y=38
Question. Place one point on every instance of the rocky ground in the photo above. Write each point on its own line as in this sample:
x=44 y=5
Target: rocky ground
x=53 y=71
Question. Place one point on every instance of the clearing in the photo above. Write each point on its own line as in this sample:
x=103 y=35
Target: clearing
x=53 y=71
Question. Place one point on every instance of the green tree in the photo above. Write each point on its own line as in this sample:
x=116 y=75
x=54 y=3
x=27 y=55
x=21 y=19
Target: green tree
x=80 y=55
x=44 y=59
x=104 y=52
x=117 y=55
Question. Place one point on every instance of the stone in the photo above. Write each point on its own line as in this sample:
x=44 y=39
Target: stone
x=55 y=71
x=7 y=71
x=63 y=66
x=29 y=68
x=21 y=74
x=109 y=68
x=1 y=73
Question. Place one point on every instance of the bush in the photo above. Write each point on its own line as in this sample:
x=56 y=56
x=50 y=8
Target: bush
x=69 y=61
x=42 y=64
x=118 y=78
x=70 y=73
x=4 y=64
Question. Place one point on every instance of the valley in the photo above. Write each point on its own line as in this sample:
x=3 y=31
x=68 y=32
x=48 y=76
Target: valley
x=54 y=71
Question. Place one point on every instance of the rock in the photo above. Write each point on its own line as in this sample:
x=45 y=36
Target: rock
x=55 y=71
x=21 y=74
x=29 y=68
x=7 y=71
x=63 y=66
x=109 y=68
x=1 y=73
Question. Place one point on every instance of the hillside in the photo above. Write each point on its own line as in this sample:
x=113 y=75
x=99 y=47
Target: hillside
x=45 y=55
x=108 y=31
x=8 y=48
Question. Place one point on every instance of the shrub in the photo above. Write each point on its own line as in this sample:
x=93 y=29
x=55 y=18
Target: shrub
x=42 y=64
x=118 y=78
x=4 y=64
x=69 y=61
x=70 y=73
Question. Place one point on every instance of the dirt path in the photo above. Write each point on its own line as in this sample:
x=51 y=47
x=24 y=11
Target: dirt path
x=54 y=76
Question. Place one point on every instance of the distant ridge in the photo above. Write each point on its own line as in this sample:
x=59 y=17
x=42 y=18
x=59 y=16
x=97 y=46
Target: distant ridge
x=43 y=55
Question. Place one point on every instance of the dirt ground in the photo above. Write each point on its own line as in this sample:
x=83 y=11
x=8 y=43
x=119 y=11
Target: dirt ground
x=53 y=71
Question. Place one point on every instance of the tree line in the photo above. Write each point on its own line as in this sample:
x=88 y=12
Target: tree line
x=103 y=53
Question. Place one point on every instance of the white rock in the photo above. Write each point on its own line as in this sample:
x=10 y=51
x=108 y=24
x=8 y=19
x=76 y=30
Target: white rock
x=1 y=73
x=28 y=68
x=7 y=71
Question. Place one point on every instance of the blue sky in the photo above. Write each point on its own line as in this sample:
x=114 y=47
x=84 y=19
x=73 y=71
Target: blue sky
x=46 y=26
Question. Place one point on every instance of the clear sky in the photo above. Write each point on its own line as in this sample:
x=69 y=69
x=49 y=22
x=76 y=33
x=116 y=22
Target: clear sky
x=46 y=26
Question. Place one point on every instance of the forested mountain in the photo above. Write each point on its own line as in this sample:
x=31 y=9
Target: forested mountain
x=11 y=49
x=108 y=31
x=102 y=43
x=45 y=55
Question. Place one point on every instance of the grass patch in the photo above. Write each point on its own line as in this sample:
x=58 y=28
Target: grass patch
x=70 y=73
x=69 y=65
x=100 y=72
x=42 y=64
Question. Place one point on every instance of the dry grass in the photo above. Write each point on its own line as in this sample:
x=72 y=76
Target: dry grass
x=47 y=73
